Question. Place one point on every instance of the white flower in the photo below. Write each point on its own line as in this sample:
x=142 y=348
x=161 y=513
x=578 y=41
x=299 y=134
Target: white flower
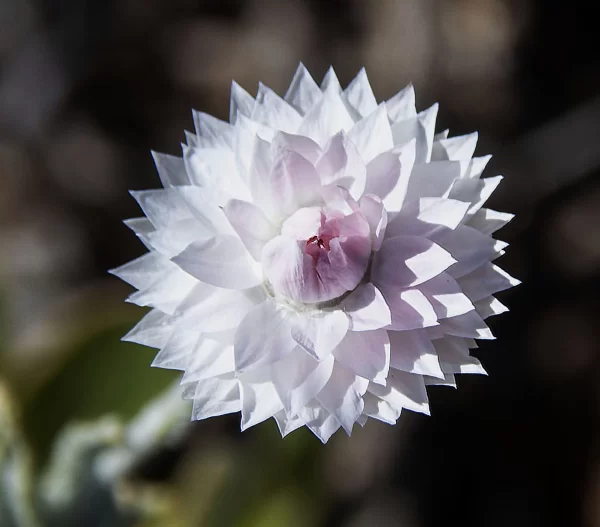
x=319 y=259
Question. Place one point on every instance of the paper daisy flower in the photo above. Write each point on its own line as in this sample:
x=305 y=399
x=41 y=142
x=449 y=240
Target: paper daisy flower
x=319 y=259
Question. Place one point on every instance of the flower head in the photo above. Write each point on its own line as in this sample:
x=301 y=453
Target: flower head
x=319 y=259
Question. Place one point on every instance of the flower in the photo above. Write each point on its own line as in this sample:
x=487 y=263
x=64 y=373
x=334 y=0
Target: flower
x=319 y=259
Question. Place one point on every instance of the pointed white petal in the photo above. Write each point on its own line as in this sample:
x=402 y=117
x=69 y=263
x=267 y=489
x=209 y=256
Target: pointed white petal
x=360 y=95
x=381 y=410
x=273 y=111
x=404 y=390
x=222 y=261
x=320 y=422
x=489 y=221
x=330 y=83
x=153 y=330
x=410 y=308
x=388 y=176
x=469 y=325
x=405 y=261
x=432 y=180
x=287 y=424
x=213 y=356
x=326 y=119
x=428 y=216
x=420 y=128
x=342 y=396
x=413 y=352
x=372 y=135
x=485 y=281
x=263 y=337
x=476 y=191
x=446 y=296
x=259 y=399
x=178 y=350
x=298 y=378
x=241 y=102
x=171 y=170
x=366 y=353
x=216 y=396
x=448 y=380
x=402 y=105
x=163 y=207
x=303 y=92
x=367 y=308
x=489 y=306
x=373 y=209
x=454 y=356
x=143 y=271
x=320 y=332
x=252 y=226
x=459 y=148
x=212 y=132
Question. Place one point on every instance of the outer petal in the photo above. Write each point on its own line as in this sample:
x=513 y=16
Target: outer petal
x=263 y=337
x=222 y=261
x=359 y=94
x=372 y=135
x=367 y=308
x=303 y=92
x=413 y=352
x=319 y=333
x=405 y=261
x=366 y=353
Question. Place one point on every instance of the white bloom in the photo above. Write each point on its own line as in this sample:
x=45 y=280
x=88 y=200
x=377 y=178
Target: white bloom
x=319 y=259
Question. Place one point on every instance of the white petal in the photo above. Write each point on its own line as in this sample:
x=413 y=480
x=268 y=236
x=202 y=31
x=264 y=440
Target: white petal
x=259 y=399
x=178 y=350
x=252 y=226
x=222 y=261
x=405 y=261
x=212 y=132
x=208 y=308
x=413 y=352
x=381 y=410
x=410 y=308
x=448 y=380
x=388 y=176
x=213 y=356
x=241 y=102
x=298 y=378
x=372 y=135
x=330 y=83
x=263 y=337
x=287 y=424
x=171 y=170
x=320 y=332
x=273 y=111
x=163 y=207
x=446 y=296
x=469 y=325
x=402 y=105
x=303 y=92
x=153 y=330
x=432 y=180
x=469 y=247
x=366 y=308
x=326 y=118
x=341 y=164
x=366 y=353
x=360 y=95
x=485 y=281
x=477 y=166
x=143 y=271
x=320 y=422
x=489 y=221
x=420 y=128
x=342 y=396
x=428 y=216
x=166 y=292
x=375 y=213
x=404 y=390
x=459 y=148
x=476 y=191
x=300 y=144
x=489 y=306
x=454 y=356
x=216 y=396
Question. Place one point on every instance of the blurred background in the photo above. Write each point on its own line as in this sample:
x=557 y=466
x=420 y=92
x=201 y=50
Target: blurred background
x=91 y=436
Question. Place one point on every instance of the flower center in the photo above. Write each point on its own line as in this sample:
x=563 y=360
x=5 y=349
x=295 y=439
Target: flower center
x=320 y=255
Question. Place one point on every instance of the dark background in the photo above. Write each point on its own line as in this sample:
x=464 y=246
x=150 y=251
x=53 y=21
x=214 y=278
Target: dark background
x=87 y=88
